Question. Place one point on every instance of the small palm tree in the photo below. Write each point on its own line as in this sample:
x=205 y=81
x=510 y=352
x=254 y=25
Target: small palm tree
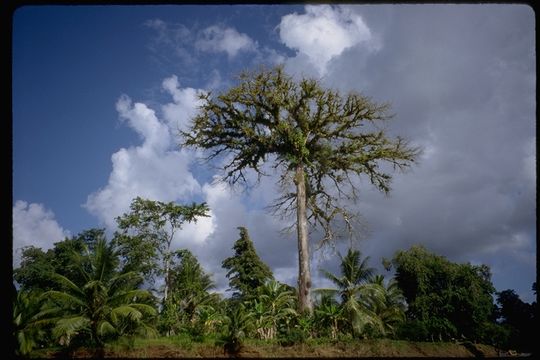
x=356 y=292
x=103 y=303
x=238 y=322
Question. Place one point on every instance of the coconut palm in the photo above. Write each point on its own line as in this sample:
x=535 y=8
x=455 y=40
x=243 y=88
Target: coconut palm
x=103 y=303
x=391 y=310
x=29 y=321
x=356 y=292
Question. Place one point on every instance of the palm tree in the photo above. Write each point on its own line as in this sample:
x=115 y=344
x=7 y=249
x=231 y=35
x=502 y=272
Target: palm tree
x=29 y=320
x=356 y=291
x=103 y=303
x=391 y=310
x=238 y=323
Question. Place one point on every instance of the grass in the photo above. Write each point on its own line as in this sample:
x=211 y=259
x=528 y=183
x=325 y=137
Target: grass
x=180 y=346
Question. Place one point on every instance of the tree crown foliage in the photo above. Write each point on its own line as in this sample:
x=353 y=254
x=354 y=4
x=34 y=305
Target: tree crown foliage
x=146 y=233
x=268 y=115
x=454 y=299
x=37 y=265
x=187 y=275
x=246 y=271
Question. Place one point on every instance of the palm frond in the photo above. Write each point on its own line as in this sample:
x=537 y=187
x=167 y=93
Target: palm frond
x=70 y=326
x=66 y=284
x=123 y=297
x=95 y=285
x=106 y=328
x=26 y=343
x=146 y=330
x=64 y=298
x=127 y=279
x=338 y=281
x=127 y=311
x=144 y=308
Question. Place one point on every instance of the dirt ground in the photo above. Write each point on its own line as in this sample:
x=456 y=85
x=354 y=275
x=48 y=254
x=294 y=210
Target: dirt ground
x=366 y=348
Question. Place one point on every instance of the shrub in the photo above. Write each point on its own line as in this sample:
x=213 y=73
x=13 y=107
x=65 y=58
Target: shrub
x=412 y=330
x=292 y=337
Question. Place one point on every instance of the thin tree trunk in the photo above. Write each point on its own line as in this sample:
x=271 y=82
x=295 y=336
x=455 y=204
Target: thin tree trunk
x=304 y=274
x=168 y=263
x=167 y=269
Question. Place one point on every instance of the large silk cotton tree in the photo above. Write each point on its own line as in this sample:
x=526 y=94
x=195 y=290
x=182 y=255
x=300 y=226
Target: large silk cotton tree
x=317 y=138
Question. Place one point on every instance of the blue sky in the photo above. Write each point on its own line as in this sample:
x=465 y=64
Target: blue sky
x=99 y=91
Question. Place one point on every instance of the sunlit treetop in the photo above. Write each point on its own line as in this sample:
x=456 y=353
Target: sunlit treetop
x=270 y=116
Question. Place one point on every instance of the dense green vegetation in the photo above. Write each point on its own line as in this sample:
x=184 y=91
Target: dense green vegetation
x=81 y=293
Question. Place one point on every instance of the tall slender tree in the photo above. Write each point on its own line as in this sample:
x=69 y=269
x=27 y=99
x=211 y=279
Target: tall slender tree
x=146 y=234
x=317 y=138
x=246 y=271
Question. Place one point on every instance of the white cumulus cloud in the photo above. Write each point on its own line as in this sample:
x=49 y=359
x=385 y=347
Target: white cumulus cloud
x=35 y=225
x=156 y=169
x=217 y=38
x=323 y=33
x=186 y=102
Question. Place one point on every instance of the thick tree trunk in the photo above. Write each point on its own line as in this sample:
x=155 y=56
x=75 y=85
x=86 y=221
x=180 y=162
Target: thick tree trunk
x=304 y=273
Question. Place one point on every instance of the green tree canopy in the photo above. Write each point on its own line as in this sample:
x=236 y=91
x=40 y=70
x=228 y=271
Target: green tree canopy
x=452 y=299
x=35 y=269
x=188 y=276
x=318 y=140
x=519 y=317
x=246 y=271
x=146 y=234
x=190 y=286
x=34 y=272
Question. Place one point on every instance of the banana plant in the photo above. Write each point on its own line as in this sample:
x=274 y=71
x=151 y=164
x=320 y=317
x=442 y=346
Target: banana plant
x=274 y=306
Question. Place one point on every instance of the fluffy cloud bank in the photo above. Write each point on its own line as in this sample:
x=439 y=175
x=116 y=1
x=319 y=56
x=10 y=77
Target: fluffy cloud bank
x=323 y=33
x=155 y=169
x=462 y=87
x=34 y=225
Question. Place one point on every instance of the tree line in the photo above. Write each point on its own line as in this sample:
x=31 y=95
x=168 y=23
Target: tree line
x=89 y=291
